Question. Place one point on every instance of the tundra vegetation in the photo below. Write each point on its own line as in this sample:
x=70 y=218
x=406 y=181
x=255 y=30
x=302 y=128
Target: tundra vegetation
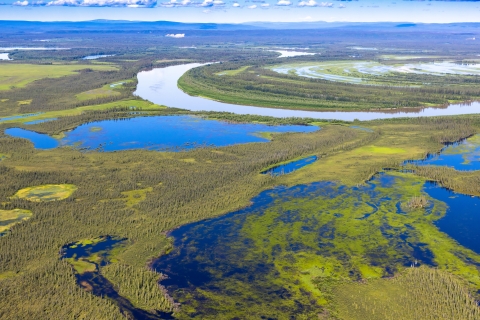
x=140 y=195
x=260 y=85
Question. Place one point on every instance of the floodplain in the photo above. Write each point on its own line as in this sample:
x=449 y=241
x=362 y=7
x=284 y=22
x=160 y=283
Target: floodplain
x=242 y=215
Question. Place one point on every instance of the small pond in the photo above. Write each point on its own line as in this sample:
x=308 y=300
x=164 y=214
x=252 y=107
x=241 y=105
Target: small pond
x=161 y=133
x=4 y=56
x=464 y=155
x=290 y=167
x=40 y=141
x=98 y=56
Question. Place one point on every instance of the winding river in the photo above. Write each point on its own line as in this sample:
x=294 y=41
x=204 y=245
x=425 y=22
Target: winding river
x=160 y=86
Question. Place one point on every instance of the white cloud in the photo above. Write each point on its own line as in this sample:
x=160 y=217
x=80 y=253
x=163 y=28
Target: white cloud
x=175 y=3
x=21 y=3
x=308 y=3
x=284 y=3
x=342 y=6
x=94 y=3
x=265 y=5
x=253 y=6
x=236 y=5
x=206 y=3
x=326 y=4
x=176 y=35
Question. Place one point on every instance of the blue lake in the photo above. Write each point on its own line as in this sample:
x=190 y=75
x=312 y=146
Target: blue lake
x=290 y=167
x=161 y=133
x=40 y=141
x=464 y=155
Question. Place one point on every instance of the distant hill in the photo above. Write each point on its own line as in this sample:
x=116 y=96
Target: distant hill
x=144 y=26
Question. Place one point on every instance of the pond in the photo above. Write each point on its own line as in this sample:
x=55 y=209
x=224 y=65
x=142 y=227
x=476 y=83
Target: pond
x=290 y=167
x=160 y=86
x=161 y=133
x=464 y=155
x=4 y=56
x=98 y=56
x=40 y=141
x=263 y=257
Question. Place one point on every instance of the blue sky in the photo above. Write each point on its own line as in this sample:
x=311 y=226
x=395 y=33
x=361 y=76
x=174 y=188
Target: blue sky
x=237 y=11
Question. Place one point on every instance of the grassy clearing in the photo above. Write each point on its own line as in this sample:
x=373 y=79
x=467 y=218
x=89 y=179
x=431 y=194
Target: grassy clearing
x=49 y=192
x=24 y=102
x=380 y=150
x=232 y=72
x=107 y=90
x=137 y=104
x=418 y=293
x=19 y=75
x=8 y=218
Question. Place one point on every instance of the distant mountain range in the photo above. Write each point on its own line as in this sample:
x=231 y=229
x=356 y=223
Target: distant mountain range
x=106 y=25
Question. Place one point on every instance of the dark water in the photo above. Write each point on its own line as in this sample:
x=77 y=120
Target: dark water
x=102 y=248
x=462 y=221
x=464 y=155
x=290 y=166
x=40 y=141
x=237 y=256
x=162 y=133
x=98 y=285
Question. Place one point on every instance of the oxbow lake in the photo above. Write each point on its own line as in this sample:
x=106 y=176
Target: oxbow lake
x=160 y=86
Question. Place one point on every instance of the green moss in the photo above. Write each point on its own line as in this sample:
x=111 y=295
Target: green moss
x=81 y=266
x=48 y=192
x=232 y=72
x=9 y=218
x=381 y=150
x=96 y=129
x=19 y=75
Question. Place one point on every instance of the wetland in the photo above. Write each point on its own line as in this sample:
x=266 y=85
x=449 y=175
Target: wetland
x=275 y=209
x=160 y=86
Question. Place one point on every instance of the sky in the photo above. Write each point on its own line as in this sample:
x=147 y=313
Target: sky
x=240 y=11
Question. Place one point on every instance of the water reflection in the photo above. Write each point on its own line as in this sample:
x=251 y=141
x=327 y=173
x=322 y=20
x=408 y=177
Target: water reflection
x=160 y=86
x=161 y=133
